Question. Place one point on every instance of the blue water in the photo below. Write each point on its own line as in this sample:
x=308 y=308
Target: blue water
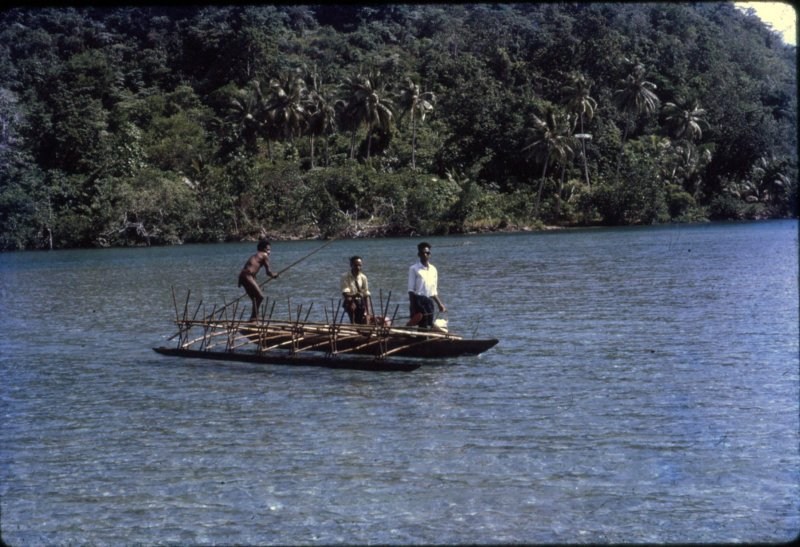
x=645 y=389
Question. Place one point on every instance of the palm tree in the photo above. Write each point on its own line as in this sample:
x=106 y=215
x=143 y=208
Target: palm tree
x=579 y=102
x=413 y=100
x=321 y=120
x=364 y=106
x=286 y=104
x=565 y=155
x=768 y=179
x=244 y=115
x=685 y=161
x=321 y=116
x=685 y=120
x=553 y=138
x=355 y=90
x=635 y=97
x=264 y=117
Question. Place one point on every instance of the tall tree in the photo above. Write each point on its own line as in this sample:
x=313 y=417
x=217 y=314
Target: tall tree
x=243 y=117
x=321 y=119
x=267 y=125
x=553 y=138
x=768 y=180
x=685 y=120
x=364 y=106
x=286 y=105
x=414 y=101
x=583 y=105
x=635 y=96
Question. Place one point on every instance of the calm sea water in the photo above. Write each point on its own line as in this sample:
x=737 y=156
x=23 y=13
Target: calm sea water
x=645 y=389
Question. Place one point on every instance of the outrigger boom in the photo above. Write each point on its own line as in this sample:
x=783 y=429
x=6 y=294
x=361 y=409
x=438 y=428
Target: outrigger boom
x=331 y=344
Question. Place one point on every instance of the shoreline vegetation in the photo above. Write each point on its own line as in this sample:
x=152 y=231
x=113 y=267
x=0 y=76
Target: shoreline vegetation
x=162 y=125
x=377 y=232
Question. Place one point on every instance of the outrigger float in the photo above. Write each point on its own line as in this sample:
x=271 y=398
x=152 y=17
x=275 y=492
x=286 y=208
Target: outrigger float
x=299 y=342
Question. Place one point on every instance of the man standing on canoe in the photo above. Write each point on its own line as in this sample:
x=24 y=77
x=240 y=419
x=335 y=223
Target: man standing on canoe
x=422 y=289
x=247 y=277
x=357 y=301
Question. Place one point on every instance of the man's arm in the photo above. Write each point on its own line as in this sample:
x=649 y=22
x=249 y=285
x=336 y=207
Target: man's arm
x=344 y=284
x=412 y=280
x=265 y=261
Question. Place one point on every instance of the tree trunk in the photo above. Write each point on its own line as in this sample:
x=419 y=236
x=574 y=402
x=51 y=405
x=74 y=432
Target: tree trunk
x=541 y=185
x=413 y=141
x=560 y=189
x=622 y=147
x=585 y=161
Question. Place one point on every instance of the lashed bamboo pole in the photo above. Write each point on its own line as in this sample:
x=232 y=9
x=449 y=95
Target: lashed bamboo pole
x=205 y=337
x=205 y=327
x=230 y=344
x=175 y=302
x=323 y=328
x=310 y=347
x=370 y=342
x=186 y=304
x=261 y=336
x=182 y=324
x=401 y=348
x=333 y=333
x=288 y=341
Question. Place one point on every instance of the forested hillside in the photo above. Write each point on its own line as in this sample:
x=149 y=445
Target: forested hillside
x=160 y=125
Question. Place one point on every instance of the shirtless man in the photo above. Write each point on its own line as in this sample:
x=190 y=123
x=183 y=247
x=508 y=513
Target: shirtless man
x=247 y=277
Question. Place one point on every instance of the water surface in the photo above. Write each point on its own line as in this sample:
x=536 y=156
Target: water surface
x=645 y=389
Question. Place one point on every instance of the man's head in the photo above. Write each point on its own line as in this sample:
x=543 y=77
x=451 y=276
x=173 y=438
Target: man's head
x=356 y=264
x=424 y=252
x=263 y=245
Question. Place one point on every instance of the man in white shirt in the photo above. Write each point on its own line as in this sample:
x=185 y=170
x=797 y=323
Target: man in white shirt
x=422 y=289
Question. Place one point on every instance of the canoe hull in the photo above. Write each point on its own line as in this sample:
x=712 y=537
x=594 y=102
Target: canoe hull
x=285 y=358
x=405 y=344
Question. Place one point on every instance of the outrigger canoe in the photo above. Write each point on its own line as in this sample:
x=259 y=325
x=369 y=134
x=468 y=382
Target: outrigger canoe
x=318 y=344
x=333 y=345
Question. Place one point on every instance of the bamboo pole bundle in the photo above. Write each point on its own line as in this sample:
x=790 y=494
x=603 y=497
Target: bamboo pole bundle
x=322 y=328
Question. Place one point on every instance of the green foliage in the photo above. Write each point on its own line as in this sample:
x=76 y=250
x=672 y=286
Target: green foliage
x=138 y=125
x=639 y=195
x=679 y=202
x=149 y=208
x=726 y=207
x=430 y=199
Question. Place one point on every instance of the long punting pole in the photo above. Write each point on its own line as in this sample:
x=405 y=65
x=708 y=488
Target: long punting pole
x=292 y=265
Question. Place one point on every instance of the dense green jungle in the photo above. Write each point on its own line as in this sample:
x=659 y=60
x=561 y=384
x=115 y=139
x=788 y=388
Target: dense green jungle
x=157 y=125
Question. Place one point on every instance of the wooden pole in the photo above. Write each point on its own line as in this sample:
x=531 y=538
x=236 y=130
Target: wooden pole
x=293 y=264
x=401 y=348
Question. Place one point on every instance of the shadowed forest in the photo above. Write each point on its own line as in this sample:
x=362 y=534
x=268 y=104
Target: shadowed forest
x=164 y=125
